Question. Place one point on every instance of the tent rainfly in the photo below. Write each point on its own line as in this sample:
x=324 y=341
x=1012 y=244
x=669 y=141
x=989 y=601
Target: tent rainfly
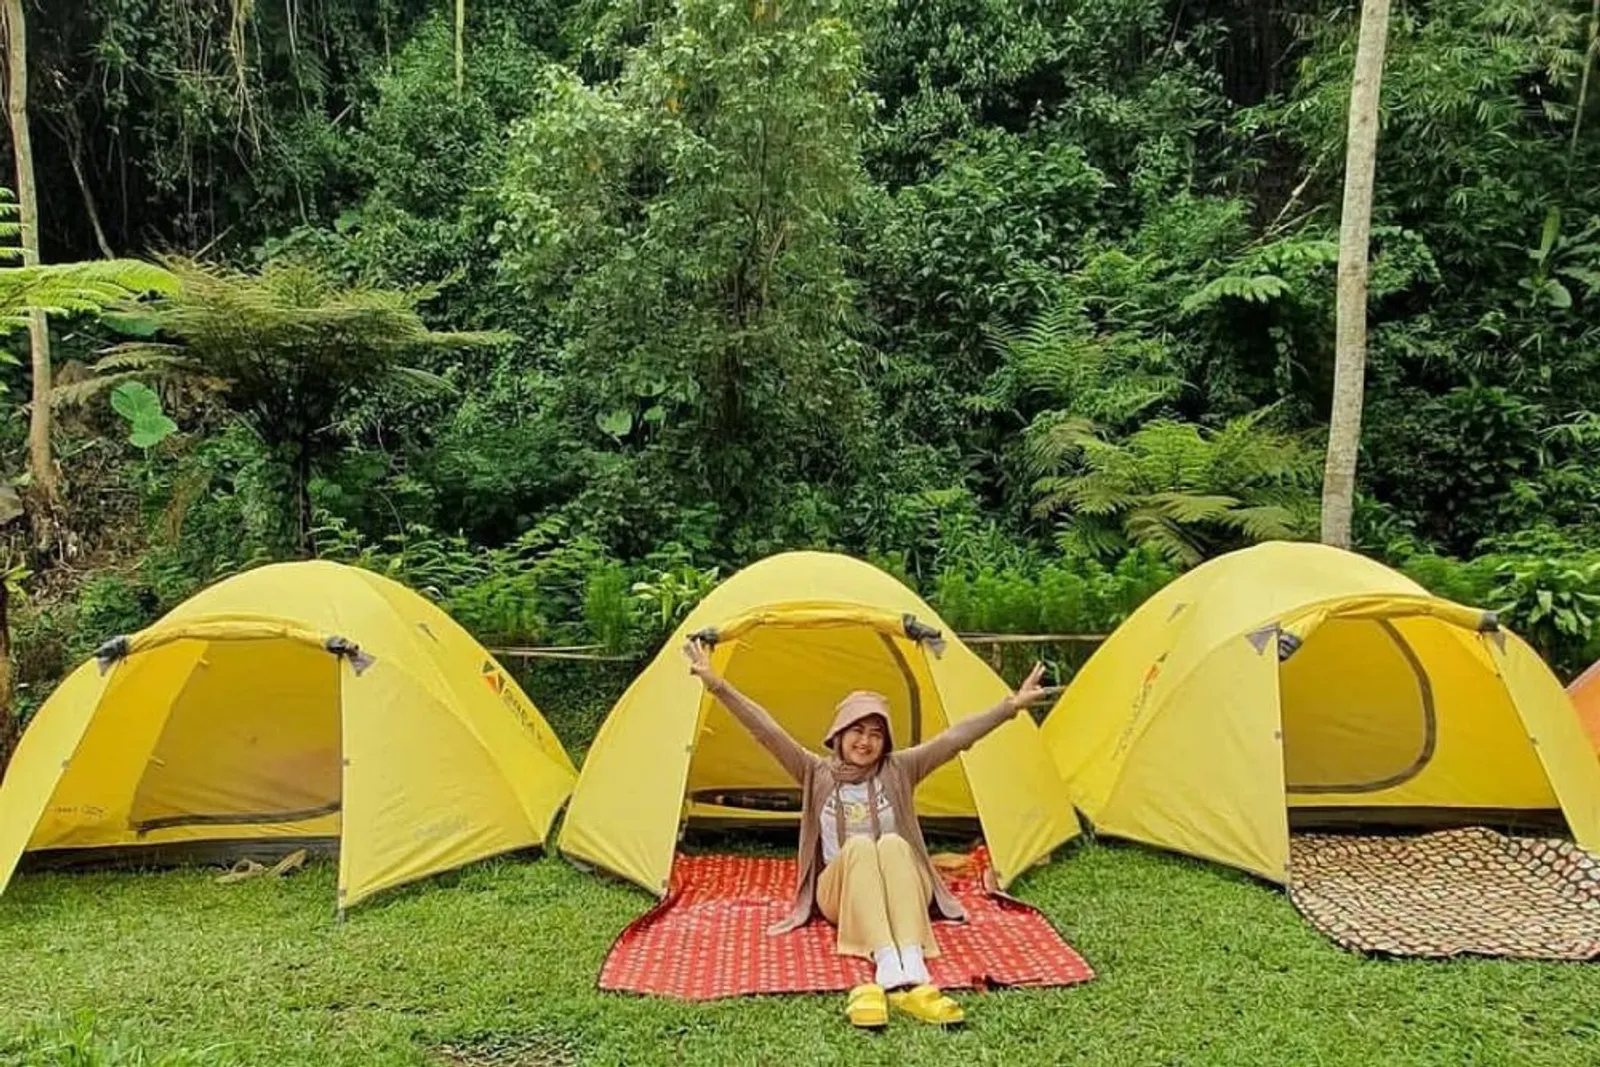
x=292 y=704
x=1301 y=682
x=796 y=632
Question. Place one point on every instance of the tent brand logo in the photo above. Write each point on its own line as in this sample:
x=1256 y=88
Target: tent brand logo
x=92 y=812
x=442 y=829
x=501 y=687
x=493 y=679
x=1141 y=703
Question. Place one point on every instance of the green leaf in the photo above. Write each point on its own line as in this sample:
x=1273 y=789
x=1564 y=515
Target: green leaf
x=1547 y=238
x=132 y=400
x=147 y=433
x=1589 y=279
x=616 y=423
x=137 y=403
x=131 y=323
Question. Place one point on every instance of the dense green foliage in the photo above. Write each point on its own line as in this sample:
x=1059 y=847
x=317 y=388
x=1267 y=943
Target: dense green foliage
x=1029 y=302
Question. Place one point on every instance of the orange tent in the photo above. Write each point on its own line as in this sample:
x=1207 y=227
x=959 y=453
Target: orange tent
x=1585 y=693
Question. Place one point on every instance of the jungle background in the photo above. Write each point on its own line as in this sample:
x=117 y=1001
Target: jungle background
x=562 y=310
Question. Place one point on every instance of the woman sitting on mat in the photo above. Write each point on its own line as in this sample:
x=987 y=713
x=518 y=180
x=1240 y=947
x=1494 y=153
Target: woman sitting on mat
x=863 y=862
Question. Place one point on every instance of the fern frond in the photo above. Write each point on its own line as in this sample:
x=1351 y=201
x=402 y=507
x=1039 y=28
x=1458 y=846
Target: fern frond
x=421 y=383
x=1051 y=495
x=1189 y=508
x=1263 y=523
x=468 y=338
x=1148 y=527
x=143 y=355
x=76 y=288
x=1089 y=535
x=1052 y=442
x=1097 y=494
x=65 y=397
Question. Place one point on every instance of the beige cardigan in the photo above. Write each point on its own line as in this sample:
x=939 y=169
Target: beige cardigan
x=901 y=771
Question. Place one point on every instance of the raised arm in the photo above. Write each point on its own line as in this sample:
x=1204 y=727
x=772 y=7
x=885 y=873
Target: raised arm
x=790 y=754
x=922 y=760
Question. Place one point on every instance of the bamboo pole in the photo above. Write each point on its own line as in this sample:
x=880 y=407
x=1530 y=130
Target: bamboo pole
x=593 y=654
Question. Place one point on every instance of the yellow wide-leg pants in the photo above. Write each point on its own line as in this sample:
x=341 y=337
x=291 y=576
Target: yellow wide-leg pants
x=877 y=894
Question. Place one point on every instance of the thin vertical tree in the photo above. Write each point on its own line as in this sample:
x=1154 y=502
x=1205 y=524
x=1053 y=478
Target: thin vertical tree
x=1355 y=232
x=1588 y=70
x=41 y=463
x=9 y=725
x=461 y=48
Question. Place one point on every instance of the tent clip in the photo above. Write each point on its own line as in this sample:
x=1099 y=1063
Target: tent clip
x=112 y=652
x=1489 y=623
x=917 y=630
x=707 y=636
x=1288 y=645
x=348 y=649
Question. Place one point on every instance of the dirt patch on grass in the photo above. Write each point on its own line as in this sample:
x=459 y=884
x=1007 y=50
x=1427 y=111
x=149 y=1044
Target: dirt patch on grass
x=507 y=1050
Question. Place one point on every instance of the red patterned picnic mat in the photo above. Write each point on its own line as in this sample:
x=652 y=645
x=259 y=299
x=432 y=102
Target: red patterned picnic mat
x=708 y=938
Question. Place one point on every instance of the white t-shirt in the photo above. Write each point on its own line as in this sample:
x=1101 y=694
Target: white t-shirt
x=857 y=820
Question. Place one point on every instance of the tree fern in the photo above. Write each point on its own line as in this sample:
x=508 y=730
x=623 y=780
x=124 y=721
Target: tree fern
x=292 y=352
x=1181 y=489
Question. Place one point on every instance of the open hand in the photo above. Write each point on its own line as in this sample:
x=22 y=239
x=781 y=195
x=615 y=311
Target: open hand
x=1031 y=691
x=699 y=660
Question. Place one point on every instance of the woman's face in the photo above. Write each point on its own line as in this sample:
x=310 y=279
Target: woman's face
x=861 y=744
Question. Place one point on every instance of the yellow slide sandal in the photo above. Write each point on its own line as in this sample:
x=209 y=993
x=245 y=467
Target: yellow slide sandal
x=867 y=1007
x=926 y=1004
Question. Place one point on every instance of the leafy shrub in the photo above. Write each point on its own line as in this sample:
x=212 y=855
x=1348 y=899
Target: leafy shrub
x=608 y=610
x=1072 y=595
x=542 y=587
x=1545 y=587
x=1553 y=603
x=40 y=654
x=672 y=587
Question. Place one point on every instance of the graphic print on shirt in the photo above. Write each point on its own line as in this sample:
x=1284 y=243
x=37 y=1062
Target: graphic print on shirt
x=857 y=819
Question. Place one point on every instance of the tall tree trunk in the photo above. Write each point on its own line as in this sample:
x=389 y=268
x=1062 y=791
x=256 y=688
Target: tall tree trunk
x=39 y=458
x=1583 y=87
x=461 y=48
x=1355 y=231
x=8 y=714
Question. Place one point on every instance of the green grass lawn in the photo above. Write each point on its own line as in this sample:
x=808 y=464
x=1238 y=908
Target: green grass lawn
x=1196 y=965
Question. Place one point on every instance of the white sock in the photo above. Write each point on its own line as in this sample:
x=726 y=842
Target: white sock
x=890 y=974
x=913 y=966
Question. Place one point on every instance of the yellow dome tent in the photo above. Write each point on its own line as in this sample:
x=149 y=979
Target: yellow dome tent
x=796 y=632
x=1301 y=678
x=299 y=701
